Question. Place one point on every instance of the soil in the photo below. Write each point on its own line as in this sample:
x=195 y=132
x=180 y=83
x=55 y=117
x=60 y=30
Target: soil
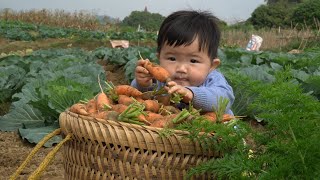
x=13 y=149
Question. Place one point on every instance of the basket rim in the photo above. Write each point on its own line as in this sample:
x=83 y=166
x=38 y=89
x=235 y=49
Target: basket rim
x=145 y=137
x=130 y=125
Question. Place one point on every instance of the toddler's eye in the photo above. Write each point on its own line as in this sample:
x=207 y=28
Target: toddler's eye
x=172 y=58
x=194 y=61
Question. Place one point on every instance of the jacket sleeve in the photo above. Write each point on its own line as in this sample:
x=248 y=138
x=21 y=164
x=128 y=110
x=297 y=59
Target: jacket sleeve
x=207 y=95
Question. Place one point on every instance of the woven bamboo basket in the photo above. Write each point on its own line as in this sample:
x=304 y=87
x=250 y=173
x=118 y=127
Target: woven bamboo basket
x=117 y=150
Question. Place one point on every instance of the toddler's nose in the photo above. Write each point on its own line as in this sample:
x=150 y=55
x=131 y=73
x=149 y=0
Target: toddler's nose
x=181 y=68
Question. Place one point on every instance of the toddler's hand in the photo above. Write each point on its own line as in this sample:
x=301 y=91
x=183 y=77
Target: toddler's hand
x=142 y=75
x=173 y=87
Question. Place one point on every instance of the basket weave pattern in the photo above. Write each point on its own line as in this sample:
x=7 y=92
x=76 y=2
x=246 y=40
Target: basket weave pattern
x=117 y=150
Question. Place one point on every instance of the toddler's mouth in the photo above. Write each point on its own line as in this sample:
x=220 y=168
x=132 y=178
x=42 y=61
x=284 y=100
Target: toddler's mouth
x=180 y=80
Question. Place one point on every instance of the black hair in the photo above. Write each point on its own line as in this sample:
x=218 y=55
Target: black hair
x=182 y=27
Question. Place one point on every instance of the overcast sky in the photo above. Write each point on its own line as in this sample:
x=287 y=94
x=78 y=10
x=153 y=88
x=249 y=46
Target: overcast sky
x=227 y=10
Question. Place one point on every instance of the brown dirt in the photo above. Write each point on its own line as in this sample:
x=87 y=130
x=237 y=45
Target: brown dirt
x=14 y=150
x=7 y=46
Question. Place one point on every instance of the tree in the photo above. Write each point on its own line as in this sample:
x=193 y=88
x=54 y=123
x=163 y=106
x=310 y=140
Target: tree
x=307 y=14
x=147 y=20
x=283 y=1
x=270 y=16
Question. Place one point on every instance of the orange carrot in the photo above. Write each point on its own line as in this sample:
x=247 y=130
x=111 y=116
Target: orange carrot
x=165 y=100
x=112 y=115
x=151 y=105
x=142 y=118
x=228 y=117
x=119 y=107
x=100 y=115
x=139 y=99
x=158 y=72
x=91 y=106
x=103 y=101
x=211 y=116
x=79 y=109
x=127 y=90
x=151 y=116
x=126 y=100
x=167 y=110
x=159 y=123
x=166 y=121
x=103 y=116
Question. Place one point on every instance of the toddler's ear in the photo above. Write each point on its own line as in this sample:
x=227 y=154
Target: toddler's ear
x=215 y=63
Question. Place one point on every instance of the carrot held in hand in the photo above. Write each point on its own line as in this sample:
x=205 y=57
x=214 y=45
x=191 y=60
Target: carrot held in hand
x=158 y=72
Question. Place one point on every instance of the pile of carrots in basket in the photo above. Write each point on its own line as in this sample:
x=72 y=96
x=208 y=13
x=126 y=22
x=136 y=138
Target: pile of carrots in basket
x=154 y=108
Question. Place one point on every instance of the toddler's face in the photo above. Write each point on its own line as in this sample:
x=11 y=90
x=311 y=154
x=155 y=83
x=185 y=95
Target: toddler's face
x=186 y=64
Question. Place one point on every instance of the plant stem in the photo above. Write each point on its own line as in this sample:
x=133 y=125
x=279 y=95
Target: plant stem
x=296 y=142
x=181 y=116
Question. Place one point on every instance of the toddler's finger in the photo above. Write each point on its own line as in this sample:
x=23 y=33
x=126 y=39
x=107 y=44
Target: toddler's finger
x=141 y=62
x=141 y=69
x=171 y=83
x=173 y=89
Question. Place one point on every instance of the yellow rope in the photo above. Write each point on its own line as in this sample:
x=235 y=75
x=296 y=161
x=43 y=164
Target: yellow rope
x=36 y=174
x=33 y=152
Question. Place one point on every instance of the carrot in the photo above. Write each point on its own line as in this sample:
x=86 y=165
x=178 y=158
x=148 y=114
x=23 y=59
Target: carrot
x=126 y=100
x=167 y=110
x=142 y=118
x=91 y=106
x=100 y=115
x=106 y=115
x=112 y=115
x=166 y=121
x=159 y=123
x=102 y=99
x=163 y=99
x=158 y=72
x=79 y=109
x=151 y=116
x=127 y=90
x=139 y=99
x=228 y=117
x=211 y=116
x=151 y=105
x=119 y=107
x=133 y=114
